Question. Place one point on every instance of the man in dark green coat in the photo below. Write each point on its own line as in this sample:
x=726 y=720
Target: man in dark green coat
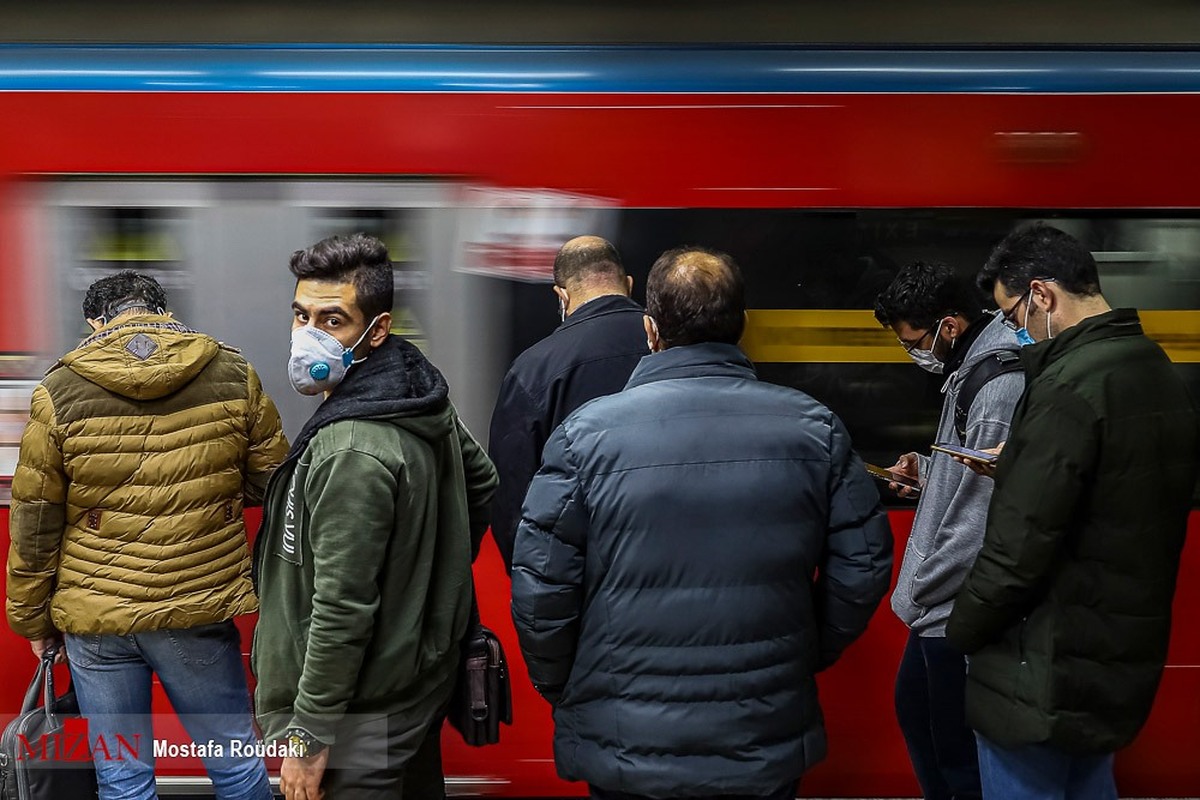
x=1066 y=614
x=364 y=555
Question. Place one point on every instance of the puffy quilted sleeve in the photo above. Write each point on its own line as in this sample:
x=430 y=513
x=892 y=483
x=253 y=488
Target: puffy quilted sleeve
x=267 y=446
x=856 y=565
x=548 y=567
x=37 y=522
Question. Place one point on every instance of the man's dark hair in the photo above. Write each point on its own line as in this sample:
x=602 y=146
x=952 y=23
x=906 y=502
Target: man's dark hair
x=116 y=294
x=359 y=259
x=591 y=260
x=1039 y=251
x=696 y=295
x=925 y=292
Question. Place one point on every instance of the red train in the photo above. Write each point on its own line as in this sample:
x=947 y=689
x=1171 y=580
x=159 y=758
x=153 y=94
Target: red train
x=820 y=170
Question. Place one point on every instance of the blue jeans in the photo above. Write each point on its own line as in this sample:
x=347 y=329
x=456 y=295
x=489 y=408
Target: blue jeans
x=201 y=670
x=1042 y=772
x=931 y=687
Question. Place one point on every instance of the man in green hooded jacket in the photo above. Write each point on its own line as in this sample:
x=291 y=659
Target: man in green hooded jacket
x=1066 y=614
x=364 y=556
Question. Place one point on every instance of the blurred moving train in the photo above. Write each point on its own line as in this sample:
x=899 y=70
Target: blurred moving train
x=822 y=171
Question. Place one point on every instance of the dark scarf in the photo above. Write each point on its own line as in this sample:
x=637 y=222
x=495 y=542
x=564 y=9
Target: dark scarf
x=396 y=379
x=958 y=353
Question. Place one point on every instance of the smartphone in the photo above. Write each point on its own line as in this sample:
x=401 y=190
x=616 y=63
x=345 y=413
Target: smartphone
x=887 y=476
x=965 y=452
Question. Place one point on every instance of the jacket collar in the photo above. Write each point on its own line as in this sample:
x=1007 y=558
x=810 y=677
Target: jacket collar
x=604 y=304
x=1119 y=322
x=710 y=359
x=395 y=380
x=155 y=321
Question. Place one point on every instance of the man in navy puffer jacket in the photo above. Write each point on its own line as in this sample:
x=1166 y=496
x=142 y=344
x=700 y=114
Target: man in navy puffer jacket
x=693 y=550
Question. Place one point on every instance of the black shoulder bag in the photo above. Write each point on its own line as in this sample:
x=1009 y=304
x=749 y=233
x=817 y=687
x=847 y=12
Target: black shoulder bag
x=45 y=753
x=483 y=696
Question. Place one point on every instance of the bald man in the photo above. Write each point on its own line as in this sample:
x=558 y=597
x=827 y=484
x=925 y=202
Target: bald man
x=693 y=549
x=590 y=354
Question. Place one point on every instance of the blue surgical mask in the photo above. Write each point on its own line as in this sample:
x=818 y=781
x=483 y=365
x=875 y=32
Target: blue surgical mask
x=1023 y=337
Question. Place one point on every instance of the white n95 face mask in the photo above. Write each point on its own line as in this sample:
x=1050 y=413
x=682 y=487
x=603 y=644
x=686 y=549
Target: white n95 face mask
x=925 y=359
x=319 y=361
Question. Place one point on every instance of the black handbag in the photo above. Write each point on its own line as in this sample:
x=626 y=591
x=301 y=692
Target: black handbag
x=42 y=754
x=483 y=696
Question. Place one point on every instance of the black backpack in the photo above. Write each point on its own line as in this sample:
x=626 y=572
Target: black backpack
x=995 y=365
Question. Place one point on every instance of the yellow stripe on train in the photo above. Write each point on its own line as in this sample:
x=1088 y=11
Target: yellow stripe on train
x=835 y=336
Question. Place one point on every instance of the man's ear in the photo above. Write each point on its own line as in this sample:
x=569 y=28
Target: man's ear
x=652 y=341
x=952 y=328
x=380 y=330
x=629 y=285
x=1043 y=293
x=94 y=324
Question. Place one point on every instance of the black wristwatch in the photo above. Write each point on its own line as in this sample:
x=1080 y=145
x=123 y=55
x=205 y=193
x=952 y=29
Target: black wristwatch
x=302 y=744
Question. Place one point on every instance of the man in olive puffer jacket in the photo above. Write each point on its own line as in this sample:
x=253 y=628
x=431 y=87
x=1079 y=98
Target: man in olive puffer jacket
x=143 y=446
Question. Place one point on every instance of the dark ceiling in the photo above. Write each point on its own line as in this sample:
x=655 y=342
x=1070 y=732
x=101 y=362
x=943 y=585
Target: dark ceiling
x=535 y=21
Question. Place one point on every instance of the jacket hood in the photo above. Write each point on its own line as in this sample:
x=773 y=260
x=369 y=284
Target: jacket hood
x=144 y=357
x=396 y=383
x=995 y=337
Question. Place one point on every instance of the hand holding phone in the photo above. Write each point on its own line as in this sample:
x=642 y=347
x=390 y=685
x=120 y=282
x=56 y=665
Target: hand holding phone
x=966 y=454
x=981 y=462
x=894 y=480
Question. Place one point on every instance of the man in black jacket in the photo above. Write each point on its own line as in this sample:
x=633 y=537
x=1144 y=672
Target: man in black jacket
x=1066 y=613
x=592 y=353
x=693 y=550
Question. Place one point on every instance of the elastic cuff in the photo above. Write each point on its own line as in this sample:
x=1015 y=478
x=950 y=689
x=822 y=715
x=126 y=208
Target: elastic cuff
x=321 y=726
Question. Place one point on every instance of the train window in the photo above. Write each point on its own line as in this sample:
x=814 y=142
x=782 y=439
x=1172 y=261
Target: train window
x=15 y=396
x=105 y=240
x=397 y=229
x=812 y=278
x=220 y=247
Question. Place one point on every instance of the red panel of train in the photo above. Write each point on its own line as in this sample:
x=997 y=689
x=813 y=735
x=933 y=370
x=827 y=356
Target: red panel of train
x=820 y=170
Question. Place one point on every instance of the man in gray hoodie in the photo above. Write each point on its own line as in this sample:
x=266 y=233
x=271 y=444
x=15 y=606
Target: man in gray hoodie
x=935 y=314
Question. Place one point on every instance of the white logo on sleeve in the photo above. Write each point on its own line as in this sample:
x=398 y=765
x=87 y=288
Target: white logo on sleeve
x=290 y=548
